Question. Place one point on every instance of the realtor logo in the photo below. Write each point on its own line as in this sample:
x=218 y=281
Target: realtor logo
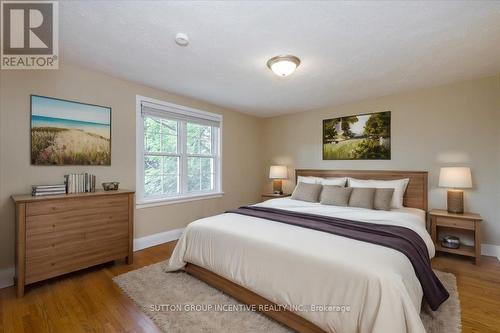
x=29 y=35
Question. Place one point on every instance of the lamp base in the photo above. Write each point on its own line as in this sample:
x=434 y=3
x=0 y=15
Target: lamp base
x=456 y=201
x=277 y=186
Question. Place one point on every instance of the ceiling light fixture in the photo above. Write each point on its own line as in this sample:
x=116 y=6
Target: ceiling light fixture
x=283 y=65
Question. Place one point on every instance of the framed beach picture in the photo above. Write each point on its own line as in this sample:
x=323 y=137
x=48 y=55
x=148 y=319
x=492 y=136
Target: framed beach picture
x=69 y=133
x=359 y=137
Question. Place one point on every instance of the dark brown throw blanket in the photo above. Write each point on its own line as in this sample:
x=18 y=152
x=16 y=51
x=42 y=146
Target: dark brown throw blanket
x=398 y=238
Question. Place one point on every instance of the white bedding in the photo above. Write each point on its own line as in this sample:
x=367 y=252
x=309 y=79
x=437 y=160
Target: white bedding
x=294 y=266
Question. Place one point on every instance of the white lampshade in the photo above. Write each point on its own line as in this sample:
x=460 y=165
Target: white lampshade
x=455 y=177
x=278 y=172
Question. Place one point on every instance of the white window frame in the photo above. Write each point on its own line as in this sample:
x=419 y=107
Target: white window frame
x=141 y=200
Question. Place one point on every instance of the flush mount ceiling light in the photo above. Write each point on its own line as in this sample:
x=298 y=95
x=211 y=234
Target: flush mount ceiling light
x=283 y=65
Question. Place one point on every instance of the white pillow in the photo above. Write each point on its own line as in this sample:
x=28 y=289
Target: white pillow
x=309 y=180
x=399 y=186
x=337 y=181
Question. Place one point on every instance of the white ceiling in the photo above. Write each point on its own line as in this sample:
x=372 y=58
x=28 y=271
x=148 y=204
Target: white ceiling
x=349 y=50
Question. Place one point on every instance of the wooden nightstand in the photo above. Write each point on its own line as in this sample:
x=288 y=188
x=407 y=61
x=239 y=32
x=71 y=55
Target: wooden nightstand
x=469 y=222
x=267 y=196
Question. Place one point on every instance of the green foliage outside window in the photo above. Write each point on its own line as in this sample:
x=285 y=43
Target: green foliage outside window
x=162 y=173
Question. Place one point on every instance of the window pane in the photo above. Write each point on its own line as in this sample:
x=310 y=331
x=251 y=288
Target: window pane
x=161 y=175
x=152 y=124
x=170 y=184
x=169 y=127
x=199 y=139
x=160 y=135
x=152 y=175
x=170 y=165
x=169 y=144
x=152 y=142
x=207 y=174
x=169 y=136
x=170 y=175
x=200 y=174
x=193 y=183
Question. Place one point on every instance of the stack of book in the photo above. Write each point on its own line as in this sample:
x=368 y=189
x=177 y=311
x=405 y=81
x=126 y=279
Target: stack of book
x=38 y=190
x=79 y=183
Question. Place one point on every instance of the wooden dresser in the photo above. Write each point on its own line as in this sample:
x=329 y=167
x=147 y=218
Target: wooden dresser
x=64 y=233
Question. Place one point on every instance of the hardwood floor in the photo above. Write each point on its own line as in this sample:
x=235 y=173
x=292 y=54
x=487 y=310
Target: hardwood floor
x=85 y=301
x=89 y=301
x=478 y=289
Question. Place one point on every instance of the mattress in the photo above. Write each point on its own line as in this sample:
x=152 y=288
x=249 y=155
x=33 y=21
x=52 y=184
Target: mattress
x=339 y=284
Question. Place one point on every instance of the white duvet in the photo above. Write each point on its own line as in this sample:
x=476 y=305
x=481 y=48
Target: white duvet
x=305 y=269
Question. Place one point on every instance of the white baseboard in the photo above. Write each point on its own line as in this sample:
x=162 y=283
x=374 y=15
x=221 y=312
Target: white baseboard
x=7 y=277
x=490 y=250
x=157 y=239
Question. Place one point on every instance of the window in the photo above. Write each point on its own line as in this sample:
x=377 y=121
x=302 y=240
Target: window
x=178 y=152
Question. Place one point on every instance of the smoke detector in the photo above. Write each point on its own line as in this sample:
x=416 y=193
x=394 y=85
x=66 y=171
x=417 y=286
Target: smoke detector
x=181 y=39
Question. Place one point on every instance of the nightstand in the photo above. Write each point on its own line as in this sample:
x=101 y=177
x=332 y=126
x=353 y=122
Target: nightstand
x=468 y=222
x=267 y=196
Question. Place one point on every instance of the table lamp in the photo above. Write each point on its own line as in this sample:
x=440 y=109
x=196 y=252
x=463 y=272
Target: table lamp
x=455 y=179
x=277 y=173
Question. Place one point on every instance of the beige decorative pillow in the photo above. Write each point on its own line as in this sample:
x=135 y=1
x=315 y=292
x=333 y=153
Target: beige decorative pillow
x=383 y=198
x=307 y=192
x=335 y=195
x=362 y=197
x=399 y=186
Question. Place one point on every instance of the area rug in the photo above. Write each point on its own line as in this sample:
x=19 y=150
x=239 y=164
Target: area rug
x=178 y=302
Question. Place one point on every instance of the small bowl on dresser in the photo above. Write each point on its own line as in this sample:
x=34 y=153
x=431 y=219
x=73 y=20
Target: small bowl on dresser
x=110 y=186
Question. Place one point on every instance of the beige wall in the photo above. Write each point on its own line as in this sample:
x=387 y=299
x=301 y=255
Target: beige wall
x=241 y=147
x=456 y=124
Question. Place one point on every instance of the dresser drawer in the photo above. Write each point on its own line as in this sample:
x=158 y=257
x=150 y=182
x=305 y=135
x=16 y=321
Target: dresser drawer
x=78 y=220
x=454 y=223
x=68 y=241
x=68 y=258
x=77 y=206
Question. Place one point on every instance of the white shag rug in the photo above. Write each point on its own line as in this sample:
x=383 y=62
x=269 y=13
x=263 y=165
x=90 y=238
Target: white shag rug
x=163 y=296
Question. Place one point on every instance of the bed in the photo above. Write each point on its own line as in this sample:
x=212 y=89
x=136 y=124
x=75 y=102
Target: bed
x=323 y=282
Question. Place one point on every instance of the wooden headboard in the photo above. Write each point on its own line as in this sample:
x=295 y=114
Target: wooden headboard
x=416 y=192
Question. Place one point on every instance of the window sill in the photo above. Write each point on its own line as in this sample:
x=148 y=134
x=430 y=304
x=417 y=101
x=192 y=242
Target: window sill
x=171 y=201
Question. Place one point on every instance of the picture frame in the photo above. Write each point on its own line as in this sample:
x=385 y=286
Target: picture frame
x=358 y=137
x=67 y=132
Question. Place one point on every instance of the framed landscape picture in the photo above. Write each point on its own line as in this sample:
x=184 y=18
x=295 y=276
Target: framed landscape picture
x=69 y=133
x=359 y=137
